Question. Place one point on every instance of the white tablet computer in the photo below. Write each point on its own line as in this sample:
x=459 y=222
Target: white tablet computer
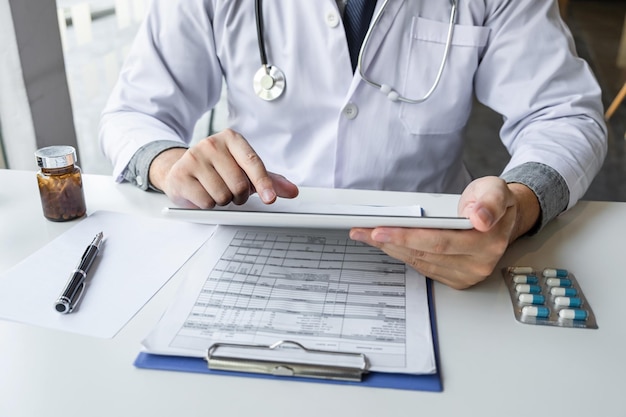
x=294 y=213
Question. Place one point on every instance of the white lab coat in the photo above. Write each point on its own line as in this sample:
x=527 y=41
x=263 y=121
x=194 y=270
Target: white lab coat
x=515 y=56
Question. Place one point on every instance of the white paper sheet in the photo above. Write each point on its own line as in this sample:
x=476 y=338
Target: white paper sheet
x=318 y=288
x=138 y=256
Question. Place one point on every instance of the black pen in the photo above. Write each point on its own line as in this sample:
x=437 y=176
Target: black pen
x=75 y=286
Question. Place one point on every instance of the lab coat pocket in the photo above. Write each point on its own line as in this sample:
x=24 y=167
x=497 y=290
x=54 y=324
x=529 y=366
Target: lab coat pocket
x=449 y=106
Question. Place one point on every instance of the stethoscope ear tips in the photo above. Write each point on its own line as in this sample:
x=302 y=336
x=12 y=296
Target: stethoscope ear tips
x=269 y=82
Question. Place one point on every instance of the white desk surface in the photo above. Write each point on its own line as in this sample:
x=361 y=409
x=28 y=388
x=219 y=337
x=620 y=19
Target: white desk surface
x=491 y=365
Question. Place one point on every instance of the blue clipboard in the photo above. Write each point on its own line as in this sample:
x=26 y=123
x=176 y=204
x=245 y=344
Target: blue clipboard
x=430 y=382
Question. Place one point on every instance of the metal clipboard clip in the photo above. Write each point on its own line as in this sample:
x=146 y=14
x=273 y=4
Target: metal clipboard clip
x=264 y=359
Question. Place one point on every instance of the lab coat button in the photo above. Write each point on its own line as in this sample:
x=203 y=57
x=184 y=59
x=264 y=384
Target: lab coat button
x=332 y=20
x=350 y=111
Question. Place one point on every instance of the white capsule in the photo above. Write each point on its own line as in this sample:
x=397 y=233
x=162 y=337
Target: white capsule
x=525 y=279
x=572 y=314
x=558 y=282
x=535 y=311
x=528 y=288
x=568 y=292
x=553 y=272
x=568 y=301
x=531 y=298
x=521 y=270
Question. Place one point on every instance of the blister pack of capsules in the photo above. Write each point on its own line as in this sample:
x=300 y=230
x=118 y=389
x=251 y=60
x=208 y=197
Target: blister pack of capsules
x=549 y=296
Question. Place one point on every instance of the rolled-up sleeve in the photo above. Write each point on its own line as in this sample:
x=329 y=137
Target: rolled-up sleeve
x=549 y=99
x=170 y=78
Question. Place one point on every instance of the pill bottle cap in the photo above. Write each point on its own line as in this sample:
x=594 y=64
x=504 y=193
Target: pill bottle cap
x=55 y=156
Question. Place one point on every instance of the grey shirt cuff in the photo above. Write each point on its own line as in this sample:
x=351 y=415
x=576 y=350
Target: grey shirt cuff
x=138 y=167
x=547 y=184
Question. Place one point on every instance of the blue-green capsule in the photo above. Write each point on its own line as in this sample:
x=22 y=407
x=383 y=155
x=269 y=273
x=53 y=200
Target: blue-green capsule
x=558 y=282
x=527 y=288
x=525 y=279
x=533 y=311
x=532 y=298
x=554 y=272
x=568 y=301
x=567 y=292
x=573 y=314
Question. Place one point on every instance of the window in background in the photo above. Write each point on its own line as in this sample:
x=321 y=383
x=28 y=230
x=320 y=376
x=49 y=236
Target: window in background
x=96 y=37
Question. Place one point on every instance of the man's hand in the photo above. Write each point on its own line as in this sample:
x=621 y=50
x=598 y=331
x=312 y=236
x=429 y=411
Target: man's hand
x=500 y=213
x=220 y=169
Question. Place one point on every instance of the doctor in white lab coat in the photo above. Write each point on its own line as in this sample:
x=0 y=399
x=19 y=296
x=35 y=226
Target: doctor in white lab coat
x=330 y=128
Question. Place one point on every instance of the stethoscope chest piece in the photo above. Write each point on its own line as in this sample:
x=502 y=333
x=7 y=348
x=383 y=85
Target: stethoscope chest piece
x=269 y=82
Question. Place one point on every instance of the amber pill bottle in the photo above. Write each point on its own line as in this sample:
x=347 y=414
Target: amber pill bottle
x=60 y=183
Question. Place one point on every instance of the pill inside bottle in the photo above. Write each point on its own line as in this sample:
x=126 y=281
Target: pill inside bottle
x=60 y=183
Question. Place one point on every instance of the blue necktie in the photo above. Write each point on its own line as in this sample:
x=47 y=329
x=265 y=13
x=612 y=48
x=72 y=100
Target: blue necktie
x=356 y=20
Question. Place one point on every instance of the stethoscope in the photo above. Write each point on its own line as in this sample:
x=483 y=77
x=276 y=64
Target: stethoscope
x=269 y=81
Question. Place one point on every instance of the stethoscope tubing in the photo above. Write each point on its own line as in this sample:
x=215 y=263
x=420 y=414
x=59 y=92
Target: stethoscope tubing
x=388 y=90
x=269 y=81
x=258 y=14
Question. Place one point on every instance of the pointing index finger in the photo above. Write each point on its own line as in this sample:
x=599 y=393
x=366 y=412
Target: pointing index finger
x=253 y=166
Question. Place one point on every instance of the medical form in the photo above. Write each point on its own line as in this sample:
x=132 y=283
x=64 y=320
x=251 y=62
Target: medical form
x=316 y=287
